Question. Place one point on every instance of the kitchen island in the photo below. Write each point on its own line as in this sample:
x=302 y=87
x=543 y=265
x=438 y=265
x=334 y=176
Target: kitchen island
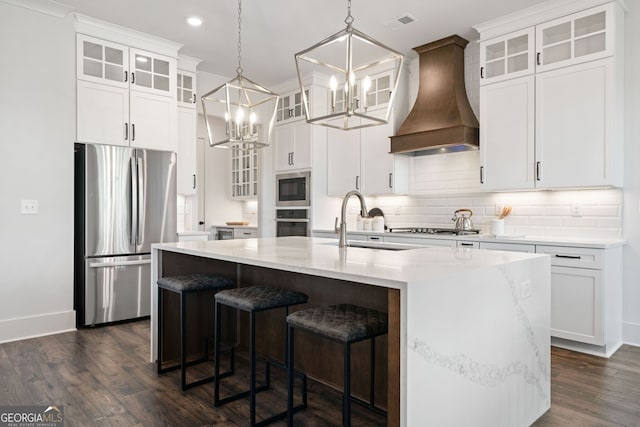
x=468 y=340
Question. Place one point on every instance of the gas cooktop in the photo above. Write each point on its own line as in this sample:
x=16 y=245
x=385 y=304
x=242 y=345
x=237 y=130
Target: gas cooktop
x=431 y=230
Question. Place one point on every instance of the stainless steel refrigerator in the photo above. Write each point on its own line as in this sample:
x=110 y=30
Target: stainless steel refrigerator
x=125 y=200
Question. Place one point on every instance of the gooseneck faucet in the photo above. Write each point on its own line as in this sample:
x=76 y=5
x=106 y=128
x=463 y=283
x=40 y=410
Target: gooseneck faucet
x=343 y=213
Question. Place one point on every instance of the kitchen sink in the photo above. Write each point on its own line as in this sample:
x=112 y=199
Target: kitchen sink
x=379 y=245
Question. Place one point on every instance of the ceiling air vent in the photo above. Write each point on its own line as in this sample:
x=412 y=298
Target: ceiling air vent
x=398 y=22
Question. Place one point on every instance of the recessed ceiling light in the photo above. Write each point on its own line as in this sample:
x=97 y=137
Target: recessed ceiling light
x=194 y=21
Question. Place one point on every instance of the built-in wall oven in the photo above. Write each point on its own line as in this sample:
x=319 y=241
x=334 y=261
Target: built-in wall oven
x=292 y=222
x=293 y=189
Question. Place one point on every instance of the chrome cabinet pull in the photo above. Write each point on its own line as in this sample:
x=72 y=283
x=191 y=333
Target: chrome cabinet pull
x=126 y=131
x=391 y=180
x=133 y=78
x=293 y=159
x=538 y=58
x=482 y=72
x=194 y=181
x=126 y=76
x=357 y=182
x=133 y=132
x=481 y=174
x=374 y=238
x=538 y=171
x=466 y=244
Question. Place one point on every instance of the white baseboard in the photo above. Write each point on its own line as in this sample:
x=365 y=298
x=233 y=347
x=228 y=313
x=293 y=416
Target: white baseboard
x=631 y=334
x=37 y=326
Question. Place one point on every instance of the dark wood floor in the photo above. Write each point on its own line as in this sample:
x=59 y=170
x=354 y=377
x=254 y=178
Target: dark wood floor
x=103 y=378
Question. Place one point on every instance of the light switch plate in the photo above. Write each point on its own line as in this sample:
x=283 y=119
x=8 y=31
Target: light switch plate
x=29 y=207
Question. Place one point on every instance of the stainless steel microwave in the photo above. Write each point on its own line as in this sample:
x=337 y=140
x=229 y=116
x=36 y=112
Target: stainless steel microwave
x=293 y=189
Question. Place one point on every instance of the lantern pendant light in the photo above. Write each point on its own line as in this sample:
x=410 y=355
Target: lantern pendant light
x=248 y=109
x=344 y=67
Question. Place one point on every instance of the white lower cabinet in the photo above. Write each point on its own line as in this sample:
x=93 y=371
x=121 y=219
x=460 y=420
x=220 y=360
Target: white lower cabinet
x=245 y=233
x=586 y=296
x=511 y=247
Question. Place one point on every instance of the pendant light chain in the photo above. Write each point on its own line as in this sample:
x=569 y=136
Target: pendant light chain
x=239 y=69
x=349 y=19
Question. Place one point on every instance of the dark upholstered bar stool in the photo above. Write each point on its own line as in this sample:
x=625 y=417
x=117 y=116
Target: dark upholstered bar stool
x=253 y=300
x=347 y=324
x=183 y=285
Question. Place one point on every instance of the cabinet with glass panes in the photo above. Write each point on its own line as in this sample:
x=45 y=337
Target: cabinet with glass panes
x=244 y=172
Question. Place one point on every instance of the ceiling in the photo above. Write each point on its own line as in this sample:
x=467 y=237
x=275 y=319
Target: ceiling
x=273 y=30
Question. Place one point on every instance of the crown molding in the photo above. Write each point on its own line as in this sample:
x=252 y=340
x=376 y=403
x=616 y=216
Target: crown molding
x=48 y=7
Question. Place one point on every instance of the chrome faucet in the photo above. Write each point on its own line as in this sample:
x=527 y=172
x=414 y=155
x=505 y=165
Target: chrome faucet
x=343 y=222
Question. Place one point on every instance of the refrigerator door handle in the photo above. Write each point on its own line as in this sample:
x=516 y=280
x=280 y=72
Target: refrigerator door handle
x=133 y=202
x=119 y=263
x=140 y=211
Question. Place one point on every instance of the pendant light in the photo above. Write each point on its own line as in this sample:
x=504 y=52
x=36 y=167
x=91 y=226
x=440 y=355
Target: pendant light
x=248 y=109
x=344 y=67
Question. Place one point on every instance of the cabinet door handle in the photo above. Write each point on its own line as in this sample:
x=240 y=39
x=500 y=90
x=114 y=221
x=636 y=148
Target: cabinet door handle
x=374 y=238
x=466 y=244
x=133 y=78
x=391 y=180
x=126 y=131
x=482 y=72
x=481 y=174
x=568 y=256
x=133 y=132
x=538 y=171
x=126 y=76
x=293 y=158
x=194 y=181
x=194 y=99
x=538 y=58
x=357 y=182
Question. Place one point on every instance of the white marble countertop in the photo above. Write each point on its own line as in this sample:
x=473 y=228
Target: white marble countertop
x=586 y=242
x=322 y=257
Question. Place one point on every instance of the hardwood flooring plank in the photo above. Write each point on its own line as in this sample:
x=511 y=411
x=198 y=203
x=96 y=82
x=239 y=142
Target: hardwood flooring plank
x=102 y=377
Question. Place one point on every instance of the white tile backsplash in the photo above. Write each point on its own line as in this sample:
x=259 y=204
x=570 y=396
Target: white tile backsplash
x=536 y=213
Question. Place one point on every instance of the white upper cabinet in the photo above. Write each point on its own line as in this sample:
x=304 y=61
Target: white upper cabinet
x=291 y=107
x=125 y=96
x=507 y=134
x=359 y=159
x=557 y=124
x=580 y=37
x=186 y=89
x=507 y=57
x=576 y=126
x=293 y=146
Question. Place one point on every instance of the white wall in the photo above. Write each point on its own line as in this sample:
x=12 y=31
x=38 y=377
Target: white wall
x=631 y=209
x=37 y=118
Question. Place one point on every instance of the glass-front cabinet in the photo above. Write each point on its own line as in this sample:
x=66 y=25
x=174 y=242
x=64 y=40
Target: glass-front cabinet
x=580 y=37
x=507 y=57
x=186 y=89
x=290 y=106
x=244 y=172
x=103 y=62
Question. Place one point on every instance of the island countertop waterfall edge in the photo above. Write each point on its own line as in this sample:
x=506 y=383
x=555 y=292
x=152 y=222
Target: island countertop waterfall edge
x=471 y=320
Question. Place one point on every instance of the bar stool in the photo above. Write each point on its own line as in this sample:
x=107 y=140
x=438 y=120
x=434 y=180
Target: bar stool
x=253 y=300
x=347 y=324
x=183 y=285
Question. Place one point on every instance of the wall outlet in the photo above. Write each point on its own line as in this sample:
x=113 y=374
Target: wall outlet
x=29 y=207
x=525 y=289
x=576 y=209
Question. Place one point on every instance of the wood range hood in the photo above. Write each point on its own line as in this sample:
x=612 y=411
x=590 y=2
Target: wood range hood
x=441 y=119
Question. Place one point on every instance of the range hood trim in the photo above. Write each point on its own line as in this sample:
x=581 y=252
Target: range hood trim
x=441 y=117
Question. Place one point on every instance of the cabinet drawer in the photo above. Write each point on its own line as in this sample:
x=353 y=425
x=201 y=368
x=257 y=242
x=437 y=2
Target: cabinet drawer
x=242 y=233
x=466 y=244
x=573 y=257
x=511 y=247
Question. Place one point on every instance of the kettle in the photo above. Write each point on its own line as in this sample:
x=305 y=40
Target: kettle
x=463 y=222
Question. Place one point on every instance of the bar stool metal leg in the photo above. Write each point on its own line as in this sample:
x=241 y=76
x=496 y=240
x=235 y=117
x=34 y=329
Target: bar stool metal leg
x=183 y=341
x=372 y=373
x=216 y=357
x=159 y=329
x=252 y=368
x=346 y=398
x=289 y=362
